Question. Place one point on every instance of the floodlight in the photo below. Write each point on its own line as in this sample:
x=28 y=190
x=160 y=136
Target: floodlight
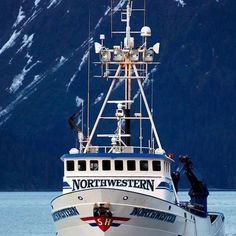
x=156 y=48
x=98 y=47
x=105 y=55
x=118 y=54
x=148 y=55
x=134 y=55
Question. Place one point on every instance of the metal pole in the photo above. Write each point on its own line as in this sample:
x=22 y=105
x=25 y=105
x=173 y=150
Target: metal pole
x=88 y=88
x=102 y=109
x=147 y=107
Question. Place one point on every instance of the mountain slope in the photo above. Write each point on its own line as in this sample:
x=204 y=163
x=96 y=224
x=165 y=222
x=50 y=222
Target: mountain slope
x=43 y=56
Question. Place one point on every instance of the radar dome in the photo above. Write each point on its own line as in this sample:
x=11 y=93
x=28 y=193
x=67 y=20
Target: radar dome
x=146 y=31
x=74 y=151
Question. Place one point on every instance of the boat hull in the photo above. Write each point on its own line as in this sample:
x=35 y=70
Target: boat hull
x=129 y=214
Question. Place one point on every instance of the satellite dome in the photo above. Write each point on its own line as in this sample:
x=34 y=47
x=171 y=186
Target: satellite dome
x=74 y=151
x=146 y=31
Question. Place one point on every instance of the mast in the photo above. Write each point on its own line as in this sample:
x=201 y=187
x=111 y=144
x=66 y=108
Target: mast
x=128 y=43
x=88 y=83
x=131 y=65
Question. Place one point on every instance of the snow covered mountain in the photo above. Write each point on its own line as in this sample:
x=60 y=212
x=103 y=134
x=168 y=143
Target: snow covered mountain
x=43 y=68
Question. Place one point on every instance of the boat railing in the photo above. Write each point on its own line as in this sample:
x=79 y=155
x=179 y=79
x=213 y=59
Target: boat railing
x=120 y=149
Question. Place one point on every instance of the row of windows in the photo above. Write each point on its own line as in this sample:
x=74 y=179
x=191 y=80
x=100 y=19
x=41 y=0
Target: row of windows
x=131 y=165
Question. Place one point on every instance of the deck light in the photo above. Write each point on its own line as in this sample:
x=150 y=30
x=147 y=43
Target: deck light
x=118 y=54
x=134 y=55
x=105 y=55
x=148 y=55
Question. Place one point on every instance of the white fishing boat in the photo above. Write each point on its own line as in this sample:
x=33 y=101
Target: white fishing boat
x=121 y=188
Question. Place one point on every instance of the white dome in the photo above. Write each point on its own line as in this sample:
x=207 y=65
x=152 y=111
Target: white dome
x=146 y=31
x=74 y=151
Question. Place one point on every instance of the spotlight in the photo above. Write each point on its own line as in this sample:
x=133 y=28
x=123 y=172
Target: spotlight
x=148 y=55
x=134 y=55
x=118 y=54
x=105 y=55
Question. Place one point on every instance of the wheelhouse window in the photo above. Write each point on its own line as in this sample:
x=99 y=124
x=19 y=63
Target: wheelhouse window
x=131 y=165
x=119 y=165
x=70 y=165
x=143 y=165
x=82 y=165
x=106 y=165
x=93 y=165
x=156 y=165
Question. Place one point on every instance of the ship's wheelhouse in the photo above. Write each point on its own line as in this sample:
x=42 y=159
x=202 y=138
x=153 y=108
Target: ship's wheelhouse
x=112 y=164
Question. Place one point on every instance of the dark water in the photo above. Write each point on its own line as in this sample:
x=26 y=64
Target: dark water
x=28 y=213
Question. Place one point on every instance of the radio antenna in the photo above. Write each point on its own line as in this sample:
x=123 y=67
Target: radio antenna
x=88 y=82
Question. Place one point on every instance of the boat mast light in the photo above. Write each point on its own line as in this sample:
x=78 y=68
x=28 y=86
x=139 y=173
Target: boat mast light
x=134 y=55
x=105 y=55
x=148 y=55
x=118 y=54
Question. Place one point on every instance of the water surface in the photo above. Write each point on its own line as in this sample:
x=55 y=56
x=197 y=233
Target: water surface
x=28 y=213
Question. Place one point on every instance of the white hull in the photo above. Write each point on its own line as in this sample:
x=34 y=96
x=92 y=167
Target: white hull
x=133 y=214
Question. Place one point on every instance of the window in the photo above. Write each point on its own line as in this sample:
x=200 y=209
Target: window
x=70 y=165
x=106 y=165
x=143 y=165
x=156 y=165
x=82 y=165
x=131 y=165
x=118 y=165
x=94 y=165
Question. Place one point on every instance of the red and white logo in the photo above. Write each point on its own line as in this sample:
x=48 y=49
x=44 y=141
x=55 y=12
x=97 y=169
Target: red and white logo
x=105 y=222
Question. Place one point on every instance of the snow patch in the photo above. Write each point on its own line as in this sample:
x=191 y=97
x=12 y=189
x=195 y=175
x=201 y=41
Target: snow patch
x=61 y=62
x=83 y=60
x=54 y=3
x=27 y=42
x=107 y=11
x=27 y=91
x=71 y=81
x=11 y=41
x=118 y=84
x=33 y=16
x=99 y=98
x=99 y=23
x=181 y=3
x=101 y=19
x=20 y=17
x=120 y=4
x=79 y=101
x=18 y=79
x=36 y=2
x=5 y=120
